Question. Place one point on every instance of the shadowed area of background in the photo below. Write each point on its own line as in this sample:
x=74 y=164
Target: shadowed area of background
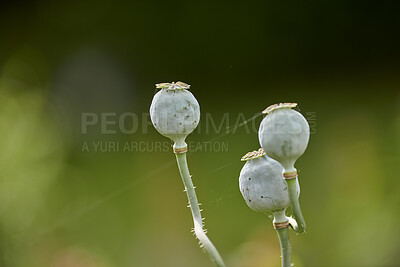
x=120 y=201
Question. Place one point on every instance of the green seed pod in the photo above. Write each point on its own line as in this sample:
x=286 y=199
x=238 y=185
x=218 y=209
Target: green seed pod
x=175 y=112
x=284 y=134
x=261 y=183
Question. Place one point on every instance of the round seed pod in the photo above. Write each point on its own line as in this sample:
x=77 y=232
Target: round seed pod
x=175 y=112
x=261 y=183
x=284 y=134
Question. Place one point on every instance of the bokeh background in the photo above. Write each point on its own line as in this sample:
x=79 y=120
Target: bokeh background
x=64 y=206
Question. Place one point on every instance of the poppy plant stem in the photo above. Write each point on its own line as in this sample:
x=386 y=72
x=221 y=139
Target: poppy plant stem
x=199 y=231
x=283 y=235
x=294 y=202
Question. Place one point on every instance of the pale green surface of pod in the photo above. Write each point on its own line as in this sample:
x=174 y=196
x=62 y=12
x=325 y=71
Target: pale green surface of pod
x=262 y=185
x=175 y=113
x=284 y=135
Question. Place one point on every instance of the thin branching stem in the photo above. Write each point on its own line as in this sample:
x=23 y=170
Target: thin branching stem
x=199 y=231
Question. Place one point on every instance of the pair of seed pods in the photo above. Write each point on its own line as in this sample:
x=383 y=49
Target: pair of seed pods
x=268 y=180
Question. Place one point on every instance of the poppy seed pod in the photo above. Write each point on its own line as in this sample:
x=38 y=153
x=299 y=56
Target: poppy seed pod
x=284 y=134
x=261 y=183
x=175 y=112
x=264 y=190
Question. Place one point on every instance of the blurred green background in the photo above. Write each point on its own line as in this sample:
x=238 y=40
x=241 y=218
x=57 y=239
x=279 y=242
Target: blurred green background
x=64 y=206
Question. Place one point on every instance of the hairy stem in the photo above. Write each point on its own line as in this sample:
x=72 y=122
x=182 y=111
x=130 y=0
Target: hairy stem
x=194 y=207
x=294 y=202
x=283 y=234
